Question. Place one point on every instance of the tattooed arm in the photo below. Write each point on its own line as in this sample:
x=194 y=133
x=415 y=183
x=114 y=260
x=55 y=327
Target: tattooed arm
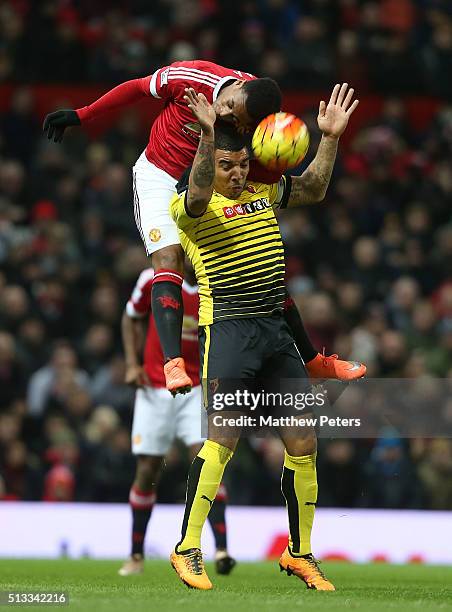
x=311 y=186
x=332 y=119
x=200 y=184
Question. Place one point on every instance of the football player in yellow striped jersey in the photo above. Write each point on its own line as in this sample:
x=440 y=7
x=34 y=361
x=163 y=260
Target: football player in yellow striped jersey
x=228 y=229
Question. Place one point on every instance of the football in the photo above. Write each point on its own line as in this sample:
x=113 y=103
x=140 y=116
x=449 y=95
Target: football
x=280 y=141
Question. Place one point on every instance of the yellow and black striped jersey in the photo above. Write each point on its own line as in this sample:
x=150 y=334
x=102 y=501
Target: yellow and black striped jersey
x=237 y=251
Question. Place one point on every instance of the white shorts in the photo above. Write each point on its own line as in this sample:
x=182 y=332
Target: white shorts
x=159 y=418
x=152 y=192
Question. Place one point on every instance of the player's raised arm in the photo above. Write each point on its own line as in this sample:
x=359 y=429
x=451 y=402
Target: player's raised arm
x=200 y=184
x=311 y=186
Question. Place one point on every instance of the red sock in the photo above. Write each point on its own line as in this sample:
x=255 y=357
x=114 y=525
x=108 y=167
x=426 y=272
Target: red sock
x=141 y=503
x=168 y=311
x=217 y=518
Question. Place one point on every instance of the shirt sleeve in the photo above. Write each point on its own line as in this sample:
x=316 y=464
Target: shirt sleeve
x=118 y=97
x=139 y=303
x=179 y=213
x=171 y=81
x=279 y=192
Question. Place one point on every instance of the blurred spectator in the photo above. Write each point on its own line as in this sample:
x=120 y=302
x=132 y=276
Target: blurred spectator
x=48 y=381
x=339 y=479
x=11 y=375
x=435 y=473
x=390 y=478
x=108 y=386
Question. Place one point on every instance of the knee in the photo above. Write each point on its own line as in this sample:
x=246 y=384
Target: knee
x=147 y=473
x=303 y=445
x=169 y=258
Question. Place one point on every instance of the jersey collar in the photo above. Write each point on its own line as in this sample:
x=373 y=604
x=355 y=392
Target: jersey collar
x=220 y=84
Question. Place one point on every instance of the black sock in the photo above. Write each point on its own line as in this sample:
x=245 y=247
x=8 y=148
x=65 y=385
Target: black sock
x=168 y=311
x=293 y=319
x=141 y=504
x=217 y=519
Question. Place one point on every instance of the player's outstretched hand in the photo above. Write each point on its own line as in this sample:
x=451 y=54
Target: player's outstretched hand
x=55 y=123
x=136 y=376
x=202 y=110
x=333 y=117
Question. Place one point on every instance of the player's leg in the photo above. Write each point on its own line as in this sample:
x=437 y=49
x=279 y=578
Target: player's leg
x=299 y=477
x=299 y=487
x=224 y=563
x=152 y=435
x=153 y=190
x=168 y=312
x=204 y=479
x=319 y=366
x=141 y=499
x=224 y=352
x=191 y=428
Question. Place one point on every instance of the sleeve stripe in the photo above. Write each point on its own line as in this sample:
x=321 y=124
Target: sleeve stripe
x=208 y=76
x=153 y=84
x=191 y=78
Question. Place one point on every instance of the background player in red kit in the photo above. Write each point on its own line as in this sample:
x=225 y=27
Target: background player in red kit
x=158 y=418
x=238 y=98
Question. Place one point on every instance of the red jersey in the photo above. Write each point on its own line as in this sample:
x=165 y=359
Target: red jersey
x=139 y=305
x=176 y=130
x=174 y=135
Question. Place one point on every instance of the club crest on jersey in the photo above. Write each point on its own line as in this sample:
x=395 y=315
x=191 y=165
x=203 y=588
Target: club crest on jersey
x=155 y=235
x=246 y=209
x=193 y=130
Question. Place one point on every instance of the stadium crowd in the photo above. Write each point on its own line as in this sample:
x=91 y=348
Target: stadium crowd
x=371 y=269
x=388 y=46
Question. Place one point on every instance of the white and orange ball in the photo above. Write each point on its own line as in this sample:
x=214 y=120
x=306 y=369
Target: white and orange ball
x=280 y=141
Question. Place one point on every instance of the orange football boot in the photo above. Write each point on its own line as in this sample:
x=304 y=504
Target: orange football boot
x=177 y=379
x=189 y=566
x=307 y=569
x=333 y=367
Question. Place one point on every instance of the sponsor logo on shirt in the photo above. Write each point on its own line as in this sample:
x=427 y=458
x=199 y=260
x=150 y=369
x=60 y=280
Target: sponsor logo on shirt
x=246 y=209
x=193 y=130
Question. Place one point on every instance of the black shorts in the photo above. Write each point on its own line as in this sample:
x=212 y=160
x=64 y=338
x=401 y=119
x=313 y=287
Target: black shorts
x=248 y=352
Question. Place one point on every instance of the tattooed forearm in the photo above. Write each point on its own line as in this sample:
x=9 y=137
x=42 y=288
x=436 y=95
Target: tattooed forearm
x=311 y=186
x=200 y=185
x=203 y=165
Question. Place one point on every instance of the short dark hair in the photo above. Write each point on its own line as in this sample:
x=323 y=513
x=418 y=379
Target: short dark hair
x=263 y=97
x=227 y=138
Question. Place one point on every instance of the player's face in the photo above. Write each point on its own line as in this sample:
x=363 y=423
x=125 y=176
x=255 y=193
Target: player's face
x=230 y=106
x=231 y=170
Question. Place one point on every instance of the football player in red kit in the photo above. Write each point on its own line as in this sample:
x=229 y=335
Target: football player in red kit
x=158 y=418
x=238 y=98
